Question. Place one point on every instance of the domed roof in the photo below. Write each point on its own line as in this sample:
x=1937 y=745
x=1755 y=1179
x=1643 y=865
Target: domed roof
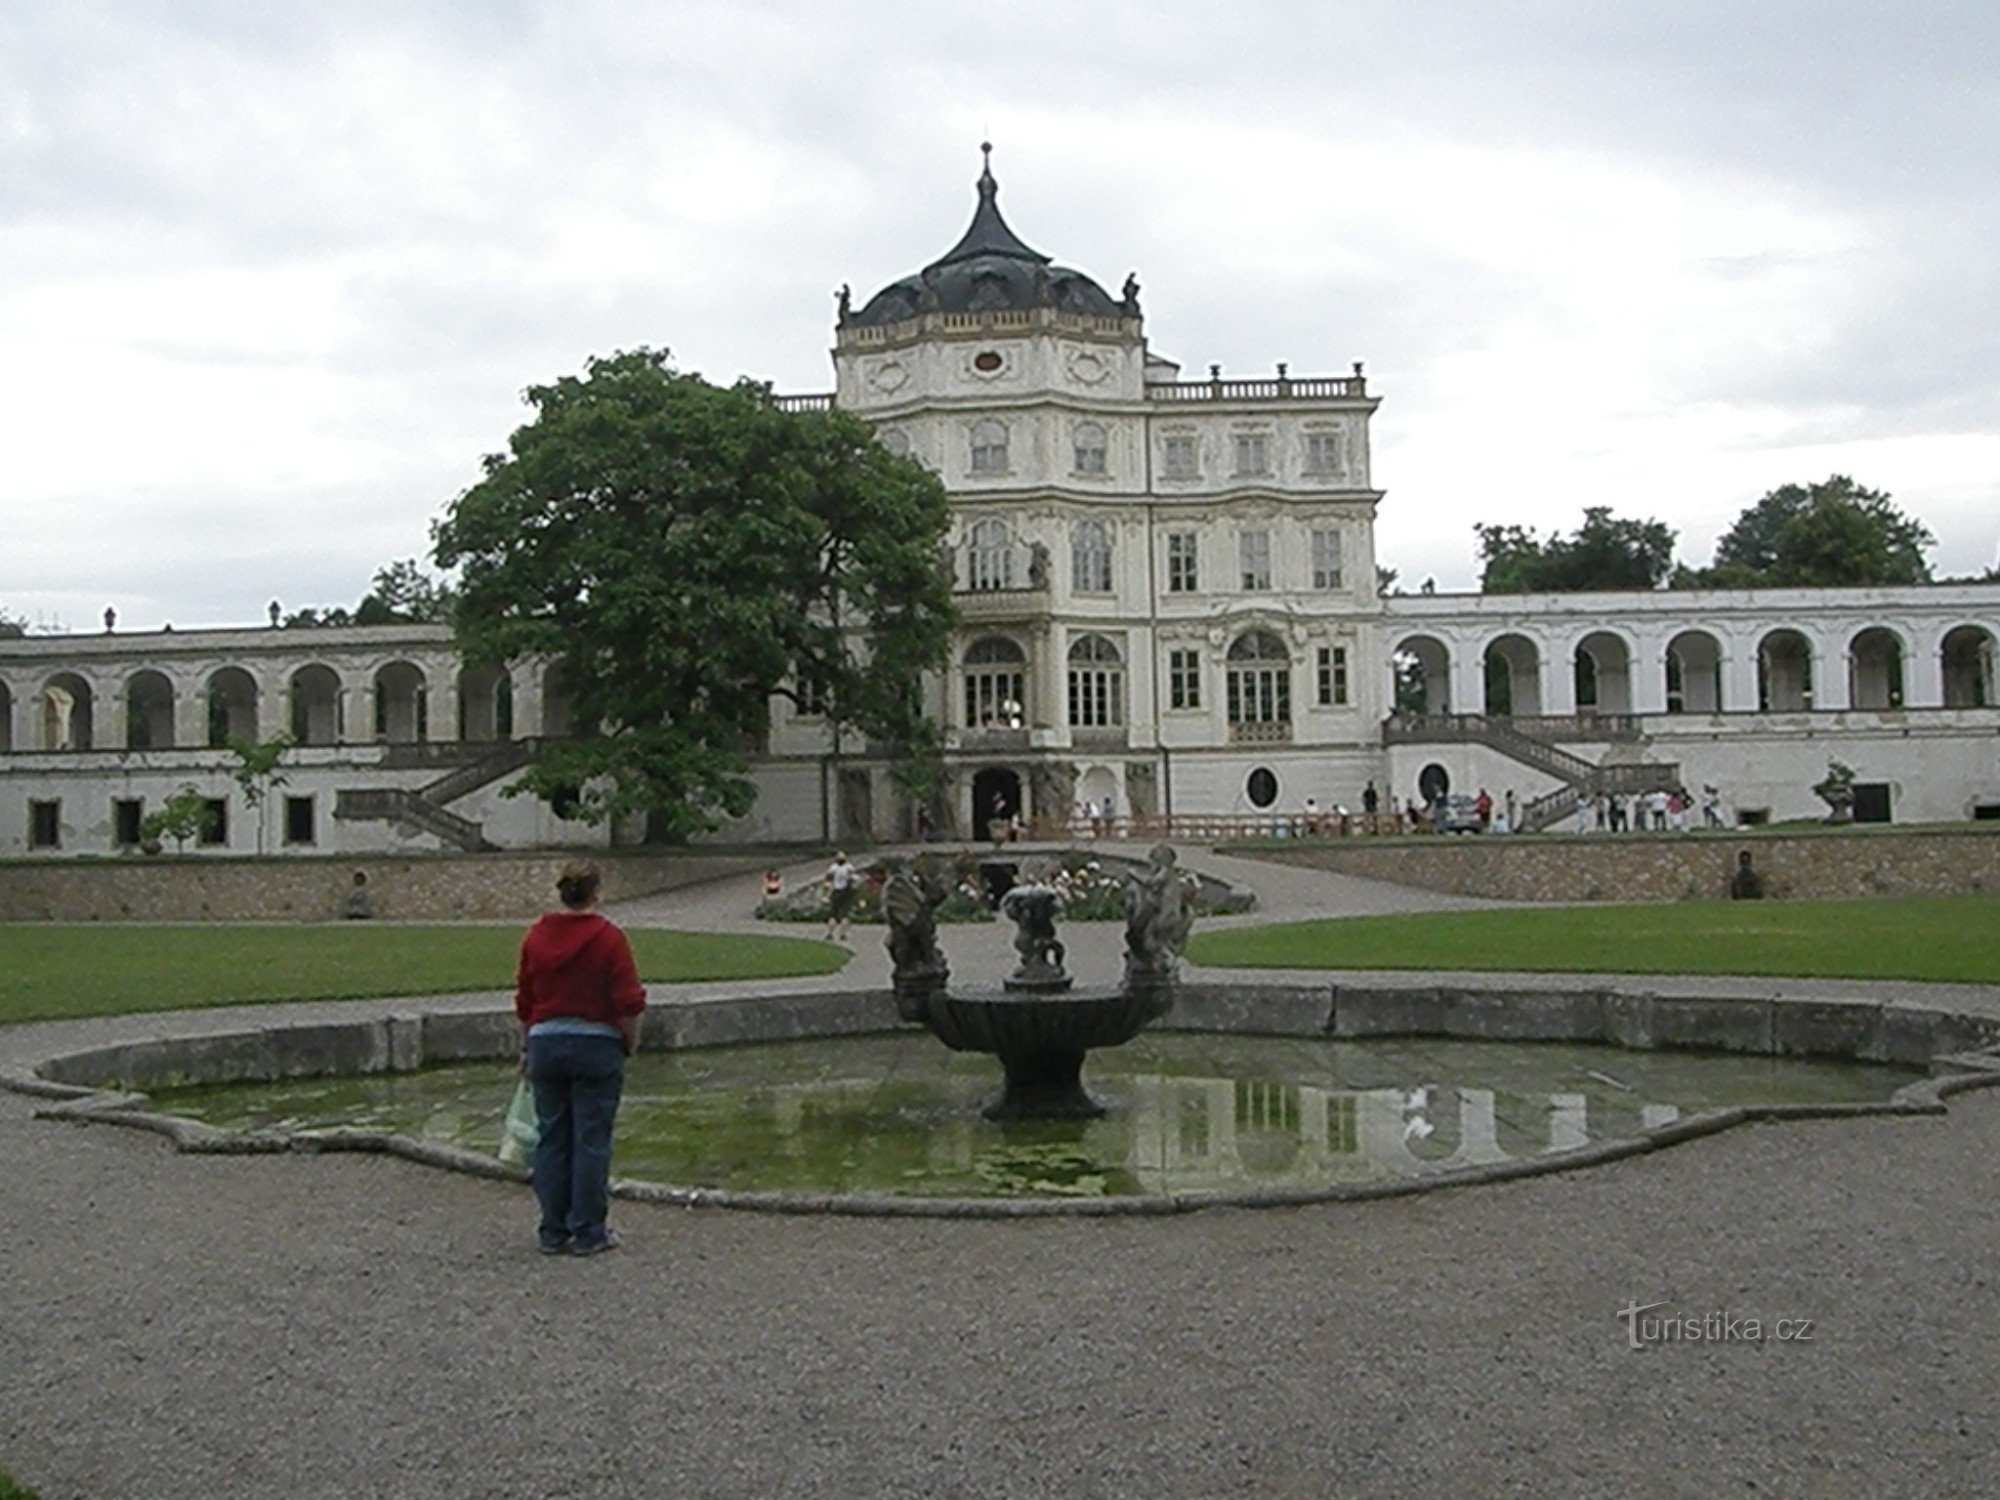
x=990 y=268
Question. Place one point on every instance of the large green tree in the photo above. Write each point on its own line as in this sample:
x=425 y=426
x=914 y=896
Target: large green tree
x=1816 y=536
x=1604 y=553
x=689 y=551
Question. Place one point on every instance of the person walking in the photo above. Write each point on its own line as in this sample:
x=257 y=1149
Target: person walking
x=842 y=886
x=578 y=998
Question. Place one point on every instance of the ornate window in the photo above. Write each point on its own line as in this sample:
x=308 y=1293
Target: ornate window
x=989 y=447
x=1177 y=457
x=1254 y=553
x=1089 y=445
x=1183 y=679
x=1259 y=682
x=1331 y=676
x=1183 y=563
x=1090 y=558
x=1096 y=684
x=1326 y=559
x=996 y=672
x=1323 y=452
x=990 y=558
x=1253 y=453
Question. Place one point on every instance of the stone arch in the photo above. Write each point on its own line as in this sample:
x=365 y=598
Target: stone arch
x=1422 y=666
x=149 y=711
x=485 y=702
x=1603 y=666
x=1875 y=669
x=65 y=710
x=1513 y=671
x=314 y=691
x=1693 y=668
x=401 y=706
x=232 y=705
x=1784 y=672
x=1965 y=660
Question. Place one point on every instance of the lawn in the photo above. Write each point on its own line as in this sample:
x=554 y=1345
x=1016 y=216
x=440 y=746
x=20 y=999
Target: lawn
x=55 y=972
x=1936 y=938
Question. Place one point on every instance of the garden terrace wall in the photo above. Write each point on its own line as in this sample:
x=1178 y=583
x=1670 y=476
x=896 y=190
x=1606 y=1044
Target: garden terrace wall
x=1668 y=867
x=477 y=887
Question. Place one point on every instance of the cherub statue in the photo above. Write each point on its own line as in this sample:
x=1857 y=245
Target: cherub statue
x=1157 y=916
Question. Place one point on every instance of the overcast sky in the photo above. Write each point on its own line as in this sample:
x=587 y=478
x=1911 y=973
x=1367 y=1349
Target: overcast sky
x=273 y=276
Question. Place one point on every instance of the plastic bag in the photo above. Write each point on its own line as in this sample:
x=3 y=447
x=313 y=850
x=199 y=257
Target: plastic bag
x=520 y=1133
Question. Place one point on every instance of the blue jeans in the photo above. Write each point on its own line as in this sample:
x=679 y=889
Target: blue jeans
x=577 y=1080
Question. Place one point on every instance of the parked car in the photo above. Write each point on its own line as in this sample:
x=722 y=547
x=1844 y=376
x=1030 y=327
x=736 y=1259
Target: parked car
x=1458 y=815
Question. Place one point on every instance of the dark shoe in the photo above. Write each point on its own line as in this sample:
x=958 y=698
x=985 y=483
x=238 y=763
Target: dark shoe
x=553 y=1247
x=595 y=1247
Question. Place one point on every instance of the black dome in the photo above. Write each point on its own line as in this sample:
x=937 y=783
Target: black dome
x=989 y=268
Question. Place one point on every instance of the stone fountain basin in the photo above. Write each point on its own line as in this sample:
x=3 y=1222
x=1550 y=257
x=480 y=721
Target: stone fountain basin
x=100 y=1081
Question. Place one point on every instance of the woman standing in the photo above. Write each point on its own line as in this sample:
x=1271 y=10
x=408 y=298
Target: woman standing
x=577 y=994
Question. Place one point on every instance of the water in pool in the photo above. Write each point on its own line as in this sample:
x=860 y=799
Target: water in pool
x=900 y=1115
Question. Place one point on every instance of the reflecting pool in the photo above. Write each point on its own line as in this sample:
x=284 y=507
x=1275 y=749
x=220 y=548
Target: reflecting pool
x=899 y=1115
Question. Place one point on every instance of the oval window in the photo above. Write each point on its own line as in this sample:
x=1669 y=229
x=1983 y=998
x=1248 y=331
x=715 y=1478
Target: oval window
x=1262 y=787
x=1433 y=783
x=986 y=361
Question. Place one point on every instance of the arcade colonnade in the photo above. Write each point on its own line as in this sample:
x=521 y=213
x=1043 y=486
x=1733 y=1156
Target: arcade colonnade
x=1777 y=651
x=154 y=692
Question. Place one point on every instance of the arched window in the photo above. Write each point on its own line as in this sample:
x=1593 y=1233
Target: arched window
x=1259 y=681
x=1089 y=448
x=989 y=447
x=996 y=674
x=1096 y=684
x=315 y=705
x=1875 y=669
x=232 y=706
x=1090 y=558
x=990 y=558
x=149 y=712
x=400 y=704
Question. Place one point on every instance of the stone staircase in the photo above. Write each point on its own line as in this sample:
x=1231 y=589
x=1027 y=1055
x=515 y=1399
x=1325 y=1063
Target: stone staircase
x=425 y=807
x=1528 y=741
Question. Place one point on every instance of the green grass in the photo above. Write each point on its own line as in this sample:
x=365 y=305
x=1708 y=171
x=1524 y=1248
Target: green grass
x=56 y=972
x=13 y=1489
x=1936 y=938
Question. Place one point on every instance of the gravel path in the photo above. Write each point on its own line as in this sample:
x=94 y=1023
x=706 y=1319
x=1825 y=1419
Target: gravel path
x=348 y=1326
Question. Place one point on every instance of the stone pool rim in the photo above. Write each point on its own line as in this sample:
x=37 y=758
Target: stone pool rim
x=105 y=1081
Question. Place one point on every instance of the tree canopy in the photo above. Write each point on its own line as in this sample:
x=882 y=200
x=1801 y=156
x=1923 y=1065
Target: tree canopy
x=402 y=594
x=1604 y=553
x=1816 y=536
x=689 y=551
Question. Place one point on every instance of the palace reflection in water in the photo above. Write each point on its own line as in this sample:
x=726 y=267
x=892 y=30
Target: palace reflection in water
x=1189 y=1113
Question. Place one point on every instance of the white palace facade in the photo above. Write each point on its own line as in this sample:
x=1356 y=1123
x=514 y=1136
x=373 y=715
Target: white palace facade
x=1169 y=604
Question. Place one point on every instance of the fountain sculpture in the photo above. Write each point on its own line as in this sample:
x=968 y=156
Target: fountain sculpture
x=1037 y=1024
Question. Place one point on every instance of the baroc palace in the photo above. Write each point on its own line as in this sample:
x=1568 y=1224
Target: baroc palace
x=1169 y=614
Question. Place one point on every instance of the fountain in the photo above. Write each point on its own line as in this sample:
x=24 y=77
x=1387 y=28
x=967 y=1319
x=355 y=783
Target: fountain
x=1037 y=1024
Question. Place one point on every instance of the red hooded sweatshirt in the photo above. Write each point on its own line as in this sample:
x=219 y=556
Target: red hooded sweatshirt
x=575 y=963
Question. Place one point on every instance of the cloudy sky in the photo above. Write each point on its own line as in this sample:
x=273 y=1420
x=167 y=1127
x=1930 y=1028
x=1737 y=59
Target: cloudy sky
x=273 y=276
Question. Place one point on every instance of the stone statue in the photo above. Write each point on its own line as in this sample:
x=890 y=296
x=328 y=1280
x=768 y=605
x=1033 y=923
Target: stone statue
x=1131 y=295
x=1032 y=909
x=1157 y=916
x=846 y=299
x=1038 y=566
x=910 y=899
